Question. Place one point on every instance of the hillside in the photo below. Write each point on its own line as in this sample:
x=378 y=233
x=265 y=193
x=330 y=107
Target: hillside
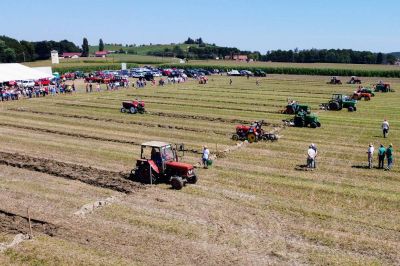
x=144 y=49
x=396 y=54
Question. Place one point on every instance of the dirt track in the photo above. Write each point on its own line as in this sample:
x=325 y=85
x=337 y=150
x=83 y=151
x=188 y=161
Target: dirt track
x=120 y=121
x=14 y=224
x=97 y=177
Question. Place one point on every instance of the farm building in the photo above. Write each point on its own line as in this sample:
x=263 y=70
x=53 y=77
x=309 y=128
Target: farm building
x=71 y=55
x=101 y=53
x=236 y=57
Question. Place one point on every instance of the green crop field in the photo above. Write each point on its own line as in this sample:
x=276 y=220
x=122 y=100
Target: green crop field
x=254 y=206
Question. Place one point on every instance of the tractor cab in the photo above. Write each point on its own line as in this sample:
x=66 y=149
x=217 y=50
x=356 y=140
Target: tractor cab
x=340 y=101
x=159 y=162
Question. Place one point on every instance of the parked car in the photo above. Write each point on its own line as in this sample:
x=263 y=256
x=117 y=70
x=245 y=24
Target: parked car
x=259 y=73
x=246 y=73
x=43 y=82
x=233 y=72
x=28 y=83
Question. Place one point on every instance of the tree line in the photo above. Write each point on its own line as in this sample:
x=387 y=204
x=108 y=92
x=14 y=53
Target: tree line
x=346 y=56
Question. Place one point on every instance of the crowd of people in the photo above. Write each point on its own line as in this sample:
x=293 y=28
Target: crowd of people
x=110 y=86
x=16 y=92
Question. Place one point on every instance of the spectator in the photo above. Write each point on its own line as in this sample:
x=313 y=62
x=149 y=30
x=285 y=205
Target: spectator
x=205 y=157
x=389 y=156
x=370 y=153
x=385 y=128
x=381 y=156
x=310 y=157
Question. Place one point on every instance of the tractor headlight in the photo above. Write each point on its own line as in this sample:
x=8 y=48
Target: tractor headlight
x=190 y=172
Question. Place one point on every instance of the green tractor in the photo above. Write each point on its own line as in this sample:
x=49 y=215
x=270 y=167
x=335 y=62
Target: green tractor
x=304 y=119
x=383 y=87
x=339 y=102
x=295 y=108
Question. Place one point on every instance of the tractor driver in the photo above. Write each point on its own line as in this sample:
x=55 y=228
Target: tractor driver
x=156 y=157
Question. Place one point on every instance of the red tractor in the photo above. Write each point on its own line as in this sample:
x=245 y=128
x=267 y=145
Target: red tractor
x=133 y=107
x=354 y=80
x=253 y=133
x=335 y=81
x=159 y=163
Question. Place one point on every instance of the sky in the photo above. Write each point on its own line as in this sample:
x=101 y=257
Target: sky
x=256 y=25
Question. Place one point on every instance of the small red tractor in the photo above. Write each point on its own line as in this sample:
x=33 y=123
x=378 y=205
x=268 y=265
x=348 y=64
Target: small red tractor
x=133 y=107
x=335 y=81
x=354 y=80
x=363 y=93
x=253 y=133
x=159 y=163
x=203 y=80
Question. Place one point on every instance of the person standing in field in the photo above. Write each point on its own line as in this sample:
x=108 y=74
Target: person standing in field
x=314 y=147
x=257 y=82
x=205 y=157
x=230 y=81
x=310 y=157
x=90 y=87
x=87 y=87
x=385 y=128
x=370 y=153
x=389 y=156
x=381 y=156
x=98 y=87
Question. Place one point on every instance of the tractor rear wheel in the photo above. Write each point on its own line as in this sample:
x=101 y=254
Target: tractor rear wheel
x=132 y=110
x=299 y=121
x=334 y=106
x=251 y=137
x=177 y=182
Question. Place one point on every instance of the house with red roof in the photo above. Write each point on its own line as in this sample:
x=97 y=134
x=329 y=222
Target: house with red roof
x=71 y=55
x=101 y=53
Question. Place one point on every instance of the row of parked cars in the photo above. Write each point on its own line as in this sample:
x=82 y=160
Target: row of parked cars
x=256 y=73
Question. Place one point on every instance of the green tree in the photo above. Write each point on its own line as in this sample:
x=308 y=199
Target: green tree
x=379 y=58
x=9 y=55
x=101 y=45
x=85 y=48
x=391 y=59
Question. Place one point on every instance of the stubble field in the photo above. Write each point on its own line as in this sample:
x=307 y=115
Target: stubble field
x=253 y=206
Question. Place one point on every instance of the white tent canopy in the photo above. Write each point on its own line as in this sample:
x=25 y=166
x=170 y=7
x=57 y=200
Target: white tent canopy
x=15 y=71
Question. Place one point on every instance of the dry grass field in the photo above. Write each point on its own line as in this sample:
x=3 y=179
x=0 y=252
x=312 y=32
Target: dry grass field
x=252 y=207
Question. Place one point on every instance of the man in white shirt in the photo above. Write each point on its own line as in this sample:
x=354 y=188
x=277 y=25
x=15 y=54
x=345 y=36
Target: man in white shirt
x=385 y=128
x=205 y=156
x=311 y=156
x=370 y=153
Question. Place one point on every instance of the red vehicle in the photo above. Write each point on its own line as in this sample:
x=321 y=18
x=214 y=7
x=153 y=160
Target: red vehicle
x=43 y=82
x=253 y=133
x=159 y=163
x=167 y=72
x=133 y=107
x=68 y=76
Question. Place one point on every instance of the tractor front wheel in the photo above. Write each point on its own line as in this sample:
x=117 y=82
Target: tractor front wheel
x=235 y=137
x=251 y=137
x=350 y=109
x=192 y=179
x=318 y=124
x=313 y=125
x=177 y=182
x=123 y=110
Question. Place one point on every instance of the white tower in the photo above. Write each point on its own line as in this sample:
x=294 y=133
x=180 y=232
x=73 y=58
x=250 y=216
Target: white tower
x=54 y=57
